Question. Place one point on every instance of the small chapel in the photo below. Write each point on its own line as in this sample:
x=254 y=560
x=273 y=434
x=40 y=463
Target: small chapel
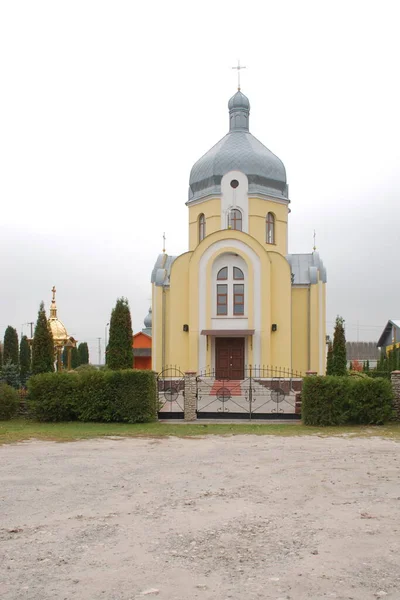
x=237 y=298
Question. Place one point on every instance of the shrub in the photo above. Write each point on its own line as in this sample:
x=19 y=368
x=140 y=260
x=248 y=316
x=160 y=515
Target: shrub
x=9 y=401
x=344 y=400
x=93 y=395
x=324 y=400
x=371 y=401
x=52 y=396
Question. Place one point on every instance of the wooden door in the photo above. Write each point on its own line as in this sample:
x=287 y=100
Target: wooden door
x=229 y=358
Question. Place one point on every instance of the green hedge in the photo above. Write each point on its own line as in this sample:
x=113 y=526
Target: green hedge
x=9 y=401
x=344 y=400
x=127 y=396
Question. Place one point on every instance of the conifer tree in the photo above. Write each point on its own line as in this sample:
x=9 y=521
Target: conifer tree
x=43 y=345
x=329 y=360
x=1 y=356
x=339 y=348
x=119 y=349
x=10 y=347
x=24 y=360
x=83 y=352
x=74 y=358
x=9 y=374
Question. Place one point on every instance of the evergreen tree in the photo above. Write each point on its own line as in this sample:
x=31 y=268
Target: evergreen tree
x=24 y=360
x=74 y=358
x=64 y=358
x=119 y=349
x=10 y=348
x=1 y=356
x=339 y=348
x=329 y=360
x=83 y=352
x=43 y=345
x=10 y=374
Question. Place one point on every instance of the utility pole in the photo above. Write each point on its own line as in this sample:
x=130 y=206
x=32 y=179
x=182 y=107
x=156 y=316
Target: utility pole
x=99 y=349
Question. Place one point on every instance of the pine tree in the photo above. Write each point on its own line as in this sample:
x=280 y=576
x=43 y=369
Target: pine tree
x=10 y=374
x=83 y=352
x=43 y=346
x=329 y=360
x=10 y=348
x=119 y=349
x=339 y=348
x=74 y=358
x=24 y=360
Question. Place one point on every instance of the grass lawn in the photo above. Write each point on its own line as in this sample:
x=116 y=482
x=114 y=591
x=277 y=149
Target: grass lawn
x=19 y=430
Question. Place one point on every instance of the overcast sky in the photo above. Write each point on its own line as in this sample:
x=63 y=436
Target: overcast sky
x=105 y=106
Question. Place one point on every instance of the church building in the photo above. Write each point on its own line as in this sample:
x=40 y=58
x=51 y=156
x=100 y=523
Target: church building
x=236 y=298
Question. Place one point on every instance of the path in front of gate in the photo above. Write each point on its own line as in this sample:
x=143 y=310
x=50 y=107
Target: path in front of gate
x=238 y=517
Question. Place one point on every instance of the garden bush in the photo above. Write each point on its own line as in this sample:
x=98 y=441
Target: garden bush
x=325 y=400
x=53 y=396
x=128 y=396
x=344 y=400
x=371 y=401
x=9 y=401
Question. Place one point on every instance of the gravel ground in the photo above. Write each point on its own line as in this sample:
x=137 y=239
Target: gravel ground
x=214 y=518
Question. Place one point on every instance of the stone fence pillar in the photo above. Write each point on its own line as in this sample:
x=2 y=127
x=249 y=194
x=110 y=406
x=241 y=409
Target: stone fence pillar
x=308 y=373
x=190 y=400
x=395 y=378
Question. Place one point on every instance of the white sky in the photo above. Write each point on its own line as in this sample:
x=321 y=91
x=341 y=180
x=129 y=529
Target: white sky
x=105 y=106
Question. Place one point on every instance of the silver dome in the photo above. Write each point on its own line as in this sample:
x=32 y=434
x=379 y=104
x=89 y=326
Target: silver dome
x=148 y=320
x=238 y=150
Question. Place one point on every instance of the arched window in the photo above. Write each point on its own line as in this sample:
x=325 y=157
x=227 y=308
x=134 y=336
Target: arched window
x=235 y=219
x=231 y=293
x=237 y=273
x=270 y=221
x=202 y=227
x=222 y=273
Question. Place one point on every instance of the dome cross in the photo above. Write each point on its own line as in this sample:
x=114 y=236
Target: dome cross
x=239 y=68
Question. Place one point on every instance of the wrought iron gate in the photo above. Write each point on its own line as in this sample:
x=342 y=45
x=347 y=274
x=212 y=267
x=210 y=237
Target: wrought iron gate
x=171 y=393
x=264 y=393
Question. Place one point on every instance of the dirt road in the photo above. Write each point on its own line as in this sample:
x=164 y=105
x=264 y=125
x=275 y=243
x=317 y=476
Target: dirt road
x=214 y=518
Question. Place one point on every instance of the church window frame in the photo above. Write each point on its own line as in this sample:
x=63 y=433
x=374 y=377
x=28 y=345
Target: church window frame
x=238 y=299
x=235 y=219
x=202 y=227
x=238 y=274
x=222 y=274
x=270 y=228
x=222 y=299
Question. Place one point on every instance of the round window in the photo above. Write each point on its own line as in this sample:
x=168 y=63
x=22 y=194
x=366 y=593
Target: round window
x=234 y=183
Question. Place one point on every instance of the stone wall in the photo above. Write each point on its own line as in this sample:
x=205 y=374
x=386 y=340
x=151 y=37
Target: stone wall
x=396 y=389
x=190 y=400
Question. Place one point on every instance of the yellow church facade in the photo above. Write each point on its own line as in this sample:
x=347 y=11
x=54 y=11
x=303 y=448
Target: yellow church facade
x=237 y=299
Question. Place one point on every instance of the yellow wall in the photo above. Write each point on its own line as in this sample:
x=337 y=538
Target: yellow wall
x=300 y=317
x=212 y=212
x=258 y=210
x=178 y=315
x=281 y=340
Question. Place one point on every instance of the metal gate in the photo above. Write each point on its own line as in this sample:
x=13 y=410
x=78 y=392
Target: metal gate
x=171 y=393
x=264 y=393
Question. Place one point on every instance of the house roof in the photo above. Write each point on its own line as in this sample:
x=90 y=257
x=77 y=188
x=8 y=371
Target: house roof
x=387 y=330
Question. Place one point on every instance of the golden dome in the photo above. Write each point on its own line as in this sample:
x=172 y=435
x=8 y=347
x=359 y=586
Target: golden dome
x=58 y=329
